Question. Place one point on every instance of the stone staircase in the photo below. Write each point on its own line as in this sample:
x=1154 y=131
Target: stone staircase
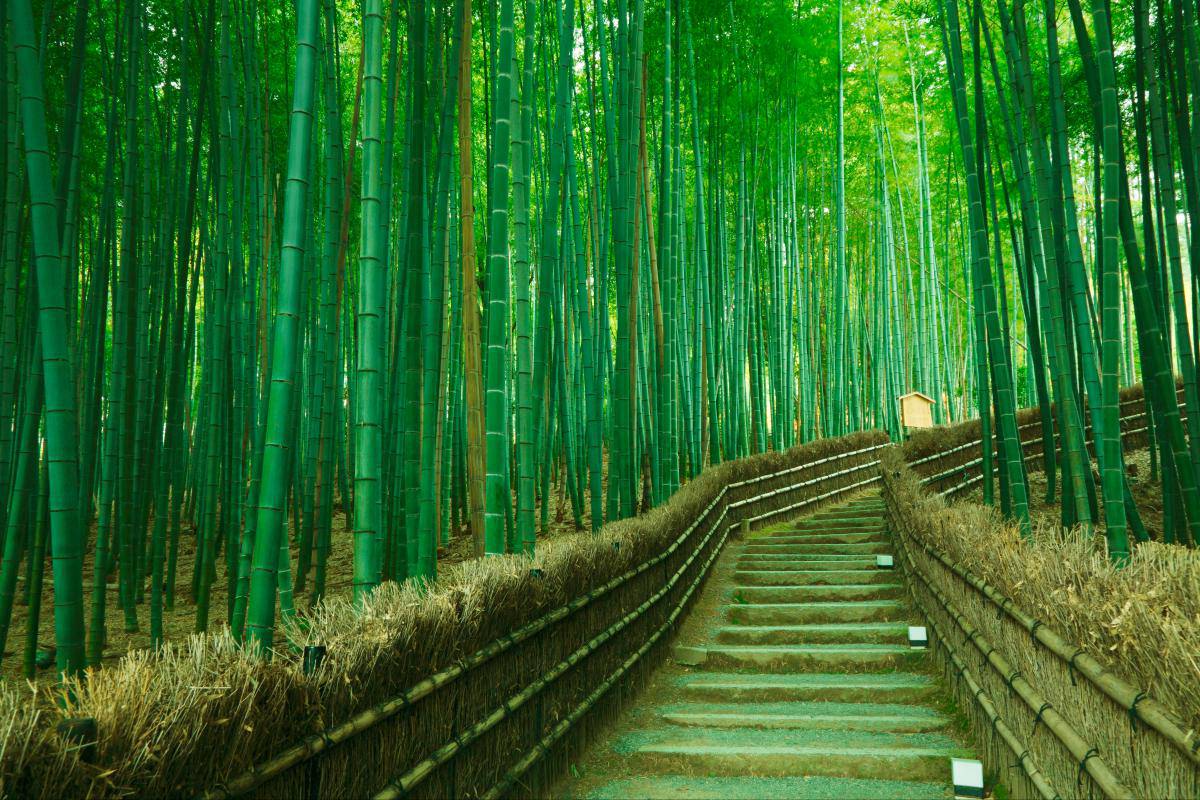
x=802 y=683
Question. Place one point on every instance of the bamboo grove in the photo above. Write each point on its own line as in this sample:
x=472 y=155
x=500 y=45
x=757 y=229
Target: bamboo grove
x=298 y=298
x=1081 y=123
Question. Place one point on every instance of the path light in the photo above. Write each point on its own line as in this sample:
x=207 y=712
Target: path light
x=918 y=638
x=967 y=776
x=314 y=654
x=885 y=562
x=81 y=733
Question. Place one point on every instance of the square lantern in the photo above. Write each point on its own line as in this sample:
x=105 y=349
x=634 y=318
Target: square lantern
x=918 y=637
x=967 y=776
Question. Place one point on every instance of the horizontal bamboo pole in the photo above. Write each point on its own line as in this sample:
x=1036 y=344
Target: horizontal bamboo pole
x=317 y=743
x=1130 y=699
x=1124 y=421
x=410 y=779
x=801 y=504
x=1015 y=745
x=958 y=487
x=501 y=788
x=809 y=465
x=803 y=484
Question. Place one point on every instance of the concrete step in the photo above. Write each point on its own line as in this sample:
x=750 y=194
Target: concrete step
x=811 y=657
x=892 y=687
x=812 y=530
x=821 y=548
x=875 y=506
x=825 y=537
x=781 y=551
x=845 y=518
x=859 y=632
x=803 y=573
x=741 y=751
x=868 y=515
x=894 y=717
x=776 y=587
x=797 y=613
x=808 y=561
x=808 y=787
x=810 y=523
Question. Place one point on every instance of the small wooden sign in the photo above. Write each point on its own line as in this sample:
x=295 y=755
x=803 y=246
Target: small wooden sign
x=916 y=410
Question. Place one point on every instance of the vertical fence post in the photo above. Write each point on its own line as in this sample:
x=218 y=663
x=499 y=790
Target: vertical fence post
x=314 y=654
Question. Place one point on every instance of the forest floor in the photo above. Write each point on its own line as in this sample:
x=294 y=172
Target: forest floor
x=1147 y=493
x=180 y=622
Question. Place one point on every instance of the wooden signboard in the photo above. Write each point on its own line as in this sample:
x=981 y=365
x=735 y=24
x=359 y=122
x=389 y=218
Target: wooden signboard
x=916 y=410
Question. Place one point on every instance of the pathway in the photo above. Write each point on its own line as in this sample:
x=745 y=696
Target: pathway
x=793 y=679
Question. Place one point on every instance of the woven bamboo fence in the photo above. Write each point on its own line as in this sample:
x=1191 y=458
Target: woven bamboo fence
x=485 y=683
x=1042 y=686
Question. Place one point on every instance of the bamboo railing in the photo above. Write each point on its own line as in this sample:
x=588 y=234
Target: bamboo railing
x=301 y=770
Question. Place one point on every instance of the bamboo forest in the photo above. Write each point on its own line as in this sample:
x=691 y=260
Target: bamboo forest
x=304 y=304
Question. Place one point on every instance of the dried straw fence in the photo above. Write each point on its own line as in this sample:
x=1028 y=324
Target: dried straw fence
x=483 y=684
x=1096 y=696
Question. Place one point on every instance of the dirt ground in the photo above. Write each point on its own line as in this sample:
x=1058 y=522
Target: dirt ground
x=180 y=622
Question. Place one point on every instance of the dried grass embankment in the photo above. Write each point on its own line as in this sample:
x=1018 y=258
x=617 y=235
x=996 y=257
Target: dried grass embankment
x=452 y=686
x=1048 y=631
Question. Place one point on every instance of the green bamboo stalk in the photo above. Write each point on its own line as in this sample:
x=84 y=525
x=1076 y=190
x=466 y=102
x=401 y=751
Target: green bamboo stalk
x=270 y=536
x=66 y=537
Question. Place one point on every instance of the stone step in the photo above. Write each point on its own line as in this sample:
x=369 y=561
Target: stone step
x=809 y=562
x=766 y=586
x=834 y=524
x=809 y=657
x=894 y=687
x=808 y=787
x=825 y=537
x=841 y=518
x=797 y=613
x=894 y=717
x=845 y=513
x=859 y=632
x=742 y=751
x=822 y=548
x=810 y=529
x=804 y=574
x=781 y=551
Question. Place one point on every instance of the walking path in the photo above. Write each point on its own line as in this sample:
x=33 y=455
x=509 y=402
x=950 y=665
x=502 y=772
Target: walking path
x=793 y=679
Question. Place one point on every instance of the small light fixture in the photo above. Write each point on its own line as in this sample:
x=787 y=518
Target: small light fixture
x=314 y=654
x=967 y=776
x=885 y=562
x=918 y=637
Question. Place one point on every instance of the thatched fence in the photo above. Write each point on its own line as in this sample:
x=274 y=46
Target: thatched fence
x=483 y=684
x=947 y=457
x=1078 y=679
